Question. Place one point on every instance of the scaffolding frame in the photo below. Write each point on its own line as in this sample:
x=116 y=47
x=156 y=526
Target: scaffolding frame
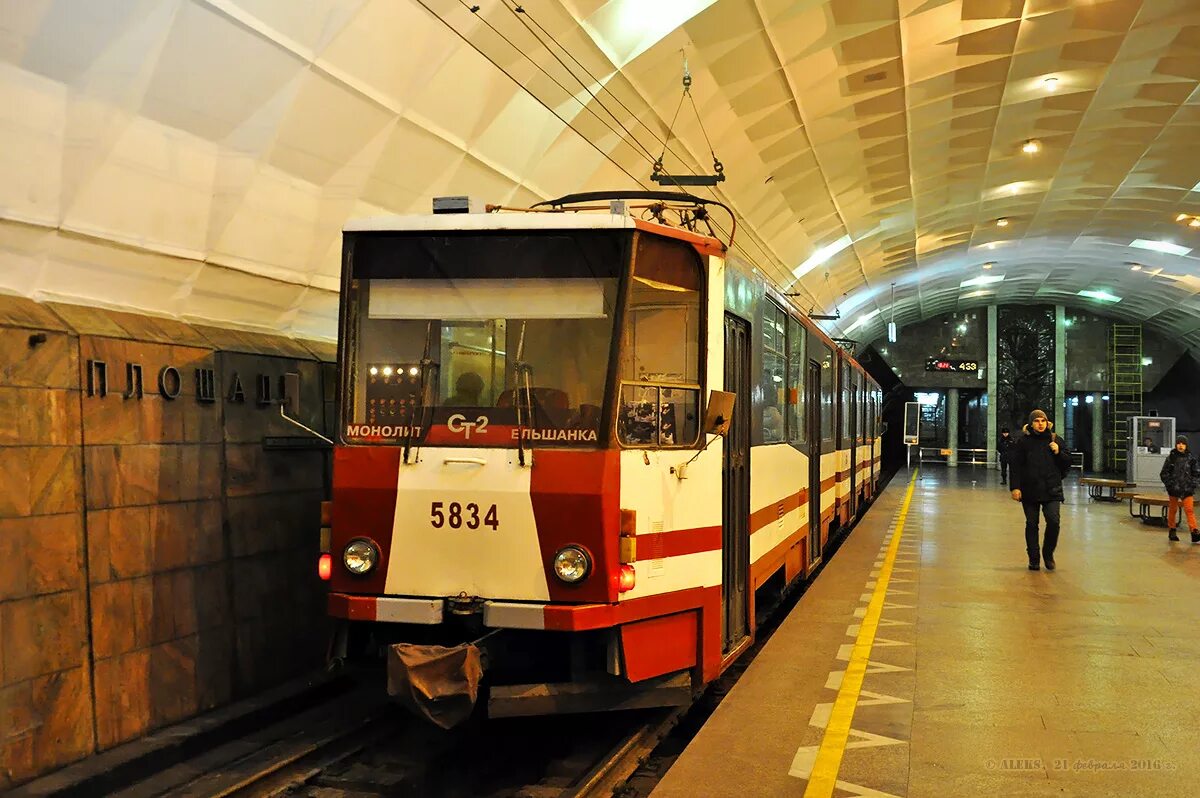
x=1124 y=388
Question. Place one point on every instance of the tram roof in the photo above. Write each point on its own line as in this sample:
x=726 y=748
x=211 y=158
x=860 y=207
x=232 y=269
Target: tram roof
x=532 y=220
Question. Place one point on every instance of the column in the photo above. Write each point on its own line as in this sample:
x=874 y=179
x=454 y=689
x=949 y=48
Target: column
x=990 y=396
x=1097 y=432
x=952 y=418
x=1059 y=416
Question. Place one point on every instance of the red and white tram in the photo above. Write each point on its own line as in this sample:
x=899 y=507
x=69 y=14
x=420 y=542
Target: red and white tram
x=537 y=476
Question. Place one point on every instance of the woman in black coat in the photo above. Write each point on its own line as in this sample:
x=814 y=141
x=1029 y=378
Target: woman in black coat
x=1180 y=473
x=1039 y=461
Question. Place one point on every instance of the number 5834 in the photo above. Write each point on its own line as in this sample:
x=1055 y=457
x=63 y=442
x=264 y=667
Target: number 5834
x=457 y=516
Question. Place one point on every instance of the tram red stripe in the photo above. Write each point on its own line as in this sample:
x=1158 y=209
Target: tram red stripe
x=766 y=565
x=678 y=542
x=764 y=517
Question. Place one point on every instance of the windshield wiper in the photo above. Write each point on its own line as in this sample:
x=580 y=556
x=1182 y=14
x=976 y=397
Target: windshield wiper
x=524 y=371
x=427 y=365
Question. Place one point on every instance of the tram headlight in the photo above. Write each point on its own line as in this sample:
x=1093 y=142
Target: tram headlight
x=572 y=564
x=360 y=556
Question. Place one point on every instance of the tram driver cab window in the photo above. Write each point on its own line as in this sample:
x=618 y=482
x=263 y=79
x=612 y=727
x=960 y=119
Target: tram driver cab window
x=660 y=352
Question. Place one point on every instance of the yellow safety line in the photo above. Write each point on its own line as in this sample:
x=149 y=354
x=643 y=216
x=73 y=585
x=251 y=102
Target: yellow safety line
x=833 y=745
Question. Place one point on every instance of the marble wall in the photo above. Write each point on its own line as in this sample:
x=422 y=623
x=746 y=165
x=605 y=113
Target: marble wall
x=157 y=554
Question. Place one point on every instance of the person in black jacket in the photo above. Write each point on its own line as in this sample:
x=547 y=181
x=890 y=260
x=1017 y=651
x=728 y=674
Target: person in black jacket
x=1180 y=473
x=1004 y=446
x=1039 y=461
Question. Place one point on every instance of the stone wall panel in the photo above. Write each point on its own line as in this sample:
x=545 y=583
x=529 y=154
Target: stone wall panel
x=121 y=476
x=254 y=471
x=42 y=635
x=38 y=480
x=122 y=698
x=44 y=723
x=38 y=417
x=39 y=555
x=51 y=364
x=168 y=511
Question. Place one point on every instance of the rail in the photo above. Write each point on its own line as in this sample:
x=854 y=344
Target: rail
x=966 y=457
x=934 y=455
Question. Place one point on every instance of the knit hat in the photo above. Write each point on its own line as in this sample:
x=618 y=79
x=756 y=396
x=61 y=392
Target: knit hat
x=1181 y=439
x=1035 y=415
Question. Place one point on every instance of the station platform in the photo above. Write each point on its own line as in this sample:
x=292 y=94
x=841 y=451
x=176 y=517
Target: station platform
x=927 y=660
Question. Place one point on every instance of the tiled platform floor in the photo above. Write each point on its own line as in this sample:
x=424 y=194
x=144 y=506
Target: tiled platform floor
x=985 y=679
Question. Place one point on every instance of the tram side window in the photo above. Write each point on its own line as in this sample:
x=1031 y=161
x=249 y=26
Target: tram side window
x=795 y=383
x=844 y=414
x=774 y=374
x=860 y=431
x=660 y=351
x=828 y=378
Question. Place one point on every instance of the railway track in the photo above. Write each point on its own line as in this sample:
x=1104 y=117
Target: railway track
x=357 y=744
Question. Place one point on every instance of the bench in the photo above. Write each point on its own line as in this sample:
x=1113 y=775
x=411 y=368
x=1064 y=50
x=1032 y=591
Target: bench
x=1145 y=501
x=1127 y=495
x=1104 y=489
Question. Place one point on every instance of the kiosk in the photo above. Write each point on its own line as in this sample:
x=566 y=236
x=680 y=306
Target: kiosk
x=912 y=428
x=1149 y=442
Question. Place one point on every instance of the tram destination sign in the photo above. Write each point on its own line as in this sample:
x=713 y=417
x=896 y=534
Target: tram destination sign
x=950 y=364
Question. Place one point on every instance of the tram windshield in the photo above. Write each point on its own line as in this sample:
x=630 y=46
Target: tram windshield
x=480 y=338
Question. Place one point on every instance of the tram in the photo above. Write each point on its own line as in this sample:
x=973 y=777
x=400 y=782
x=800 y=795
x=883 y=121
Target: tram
x=576 y=445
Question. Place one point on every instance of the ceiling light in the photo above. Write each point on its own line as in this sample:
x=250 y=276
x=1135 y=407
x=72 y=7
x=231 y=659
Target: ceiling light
x=982 y=280
x=1181 y=217
x=1050 y=84
x=863 y=319
x=989 y=264
x=974 y=294
x=1137 y=267
x=1160 y=246
x=821 y=255
x=1100 y=295
x=1002 y=222
x=1195 y=222
x=1031 y=146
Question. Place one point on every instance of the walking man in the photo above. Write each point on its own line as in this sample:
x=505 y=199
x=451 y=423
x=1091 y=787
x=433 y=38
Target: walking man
x=1039 y=461
x=1004 y=449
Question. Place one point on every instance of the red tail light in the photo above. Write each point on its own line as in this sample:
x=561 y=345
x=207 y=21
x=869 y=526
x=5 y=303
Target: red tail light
x=325 y=567
x=627 y=579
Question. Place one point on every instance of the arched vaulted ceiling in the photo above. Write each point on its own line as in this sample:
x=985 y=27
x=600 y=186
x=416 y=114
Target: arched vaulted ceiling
x=198 y=158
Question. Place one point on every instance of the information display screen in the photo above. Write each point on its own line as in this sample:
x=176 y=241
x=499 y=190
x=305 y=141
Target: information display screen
x=950 y=364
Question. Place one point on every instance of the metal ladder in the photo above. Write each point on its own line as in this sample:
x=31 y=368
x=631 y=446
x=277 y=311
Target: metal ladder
x=1124 y=389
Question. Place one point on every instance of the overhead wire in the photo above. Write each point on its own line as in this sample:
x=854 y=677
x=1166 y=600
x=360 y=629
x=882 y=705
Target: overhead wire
x=522 y=15
x=510 y=76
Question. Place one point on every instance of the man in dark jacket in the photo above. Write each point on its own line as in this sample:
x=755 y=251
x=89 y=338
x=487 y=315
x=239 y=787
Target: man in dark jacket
x=1004 y=446
x=1180 y=473
x=1039 y=461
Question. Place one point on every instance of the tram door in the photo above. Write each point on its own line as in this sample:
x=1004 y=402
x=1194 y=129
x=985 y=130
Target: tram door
x=735 y=483
x=812 y=418
x=853 y=426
